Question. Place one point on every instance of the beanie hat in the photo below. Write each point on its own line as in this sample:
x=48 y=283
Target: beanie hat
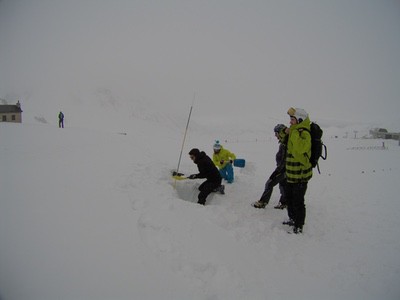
x=195 y=152
x=278 y=128
x=298 y=113
x=217 y=146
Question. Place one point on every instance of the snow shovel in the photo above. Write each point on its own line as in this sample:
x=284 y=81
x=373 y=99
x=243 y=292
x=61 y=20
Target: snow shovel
x=178 y=176
x=239 y=162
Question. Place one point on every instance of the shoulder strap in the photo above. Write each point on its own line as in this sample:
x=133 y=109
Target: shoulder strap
x=301 y=129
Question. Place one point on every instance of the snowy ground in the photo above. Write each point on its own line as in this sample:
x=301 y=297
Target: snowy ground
x=93 y=214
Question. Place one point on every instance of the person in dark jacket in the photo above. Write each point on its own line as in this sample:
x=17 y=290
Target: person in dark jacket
x=207 y=170
x=278 y=176
x=61 y=120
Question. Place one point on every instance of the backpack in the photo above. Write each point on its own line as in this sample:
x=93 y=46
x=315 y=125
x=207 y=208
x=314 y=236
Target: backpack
x=317 y=146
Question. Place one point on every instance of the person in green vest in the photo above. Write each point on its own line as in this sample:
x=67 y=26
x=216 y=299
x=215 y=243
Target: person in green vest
x=298 y=167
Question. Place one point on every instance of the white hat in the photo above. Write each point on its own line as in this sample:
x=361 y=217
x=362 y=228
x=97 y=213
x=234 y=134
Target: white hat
x=299 y=113
x=217 y=146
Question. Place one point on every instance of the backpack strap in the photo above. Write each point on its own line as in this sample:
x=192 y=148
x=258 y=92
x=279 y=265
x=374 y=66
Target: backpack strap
x=301 y=129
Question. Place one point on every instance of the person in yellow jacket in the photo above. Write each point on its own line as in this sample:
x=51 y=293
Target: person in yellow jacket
x=298 y=167
x=223 y=159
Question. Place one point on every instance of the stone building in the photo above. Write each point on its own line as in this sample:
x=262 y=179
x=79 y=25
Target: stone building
x=11 y=113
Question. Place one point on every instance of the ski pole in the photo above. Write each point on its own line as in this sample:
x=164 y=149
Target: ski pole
x=184 y=138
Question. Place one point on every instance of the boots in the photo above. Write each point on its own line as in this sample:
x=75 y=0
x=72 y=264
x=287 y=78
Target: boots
x=259 y=204
x=289 y=222
x=220 y=189
x=280 y=206
x=297 y=230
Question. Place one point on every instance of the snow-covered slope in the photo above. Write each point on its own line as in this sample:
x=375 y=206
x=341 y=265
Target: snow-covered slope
x=89 y=213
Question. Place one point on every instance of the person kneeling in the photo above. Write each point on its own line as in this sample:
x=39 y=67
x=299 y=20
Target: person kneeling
x=207 y=170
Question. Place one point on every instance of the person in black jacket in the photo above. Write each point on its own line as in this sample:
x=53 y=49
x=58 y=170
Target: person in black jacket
x=278 y=176
x=61 y=120
x=207 y=170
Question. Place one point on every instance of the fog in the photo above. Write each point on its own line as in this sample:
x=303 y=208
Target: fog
x=336 y=59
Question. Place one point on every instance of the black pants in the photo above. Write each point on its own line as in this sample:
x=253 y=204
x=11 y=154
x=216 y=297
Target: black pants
x=206 y=188
x=269 y=186
x=295 y=193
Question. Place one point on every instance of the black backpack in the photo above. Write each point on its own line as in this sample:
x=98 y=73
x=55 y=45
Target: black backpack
x=317 y=146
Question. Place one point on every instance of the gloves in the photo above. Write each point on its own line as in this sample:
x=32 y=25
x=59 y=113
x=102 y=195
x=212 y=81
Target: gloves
x=174 y=173
x=222 y=161
x=193 y=176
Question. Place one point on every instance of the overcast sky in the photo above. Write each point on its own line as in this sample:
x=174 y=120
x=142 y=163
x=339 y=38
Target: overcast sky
x=338 y=59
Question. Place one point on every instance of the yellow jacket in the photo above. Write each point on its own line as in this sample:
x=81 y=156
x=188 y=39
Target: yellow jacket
x=298 y=166
x=222 y=158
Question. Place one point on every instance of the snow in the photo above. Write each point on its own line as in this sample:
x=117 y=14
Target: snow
x=91 y=212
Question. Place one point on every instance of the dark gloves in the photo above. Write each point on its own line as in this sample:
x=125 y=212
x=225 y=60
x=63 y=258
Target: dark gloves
x=174 y=173
x=222 y=161
x=193 y=176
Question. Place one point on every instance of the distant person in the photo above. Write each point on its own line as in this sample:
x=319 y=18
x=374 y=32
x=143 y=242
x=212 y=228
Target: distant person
x=61 y=120
x=223 y=159
x=207 y=170
x=278 y=175
x=298 y=167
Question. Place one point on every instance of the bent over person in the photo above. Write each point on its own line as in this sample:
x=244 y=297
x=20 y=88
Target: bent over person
x=207 y=170
x=298 y=167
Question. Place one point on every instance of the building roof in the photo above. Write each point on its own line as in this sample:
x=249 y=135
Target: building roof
x=10 y=108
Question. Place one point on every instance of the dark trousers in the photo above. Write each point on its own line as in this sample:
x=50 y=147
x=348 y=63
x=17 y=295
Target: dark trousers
x=61 y=123
x=269 y=186
x=206 y=188
x=295 y=193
